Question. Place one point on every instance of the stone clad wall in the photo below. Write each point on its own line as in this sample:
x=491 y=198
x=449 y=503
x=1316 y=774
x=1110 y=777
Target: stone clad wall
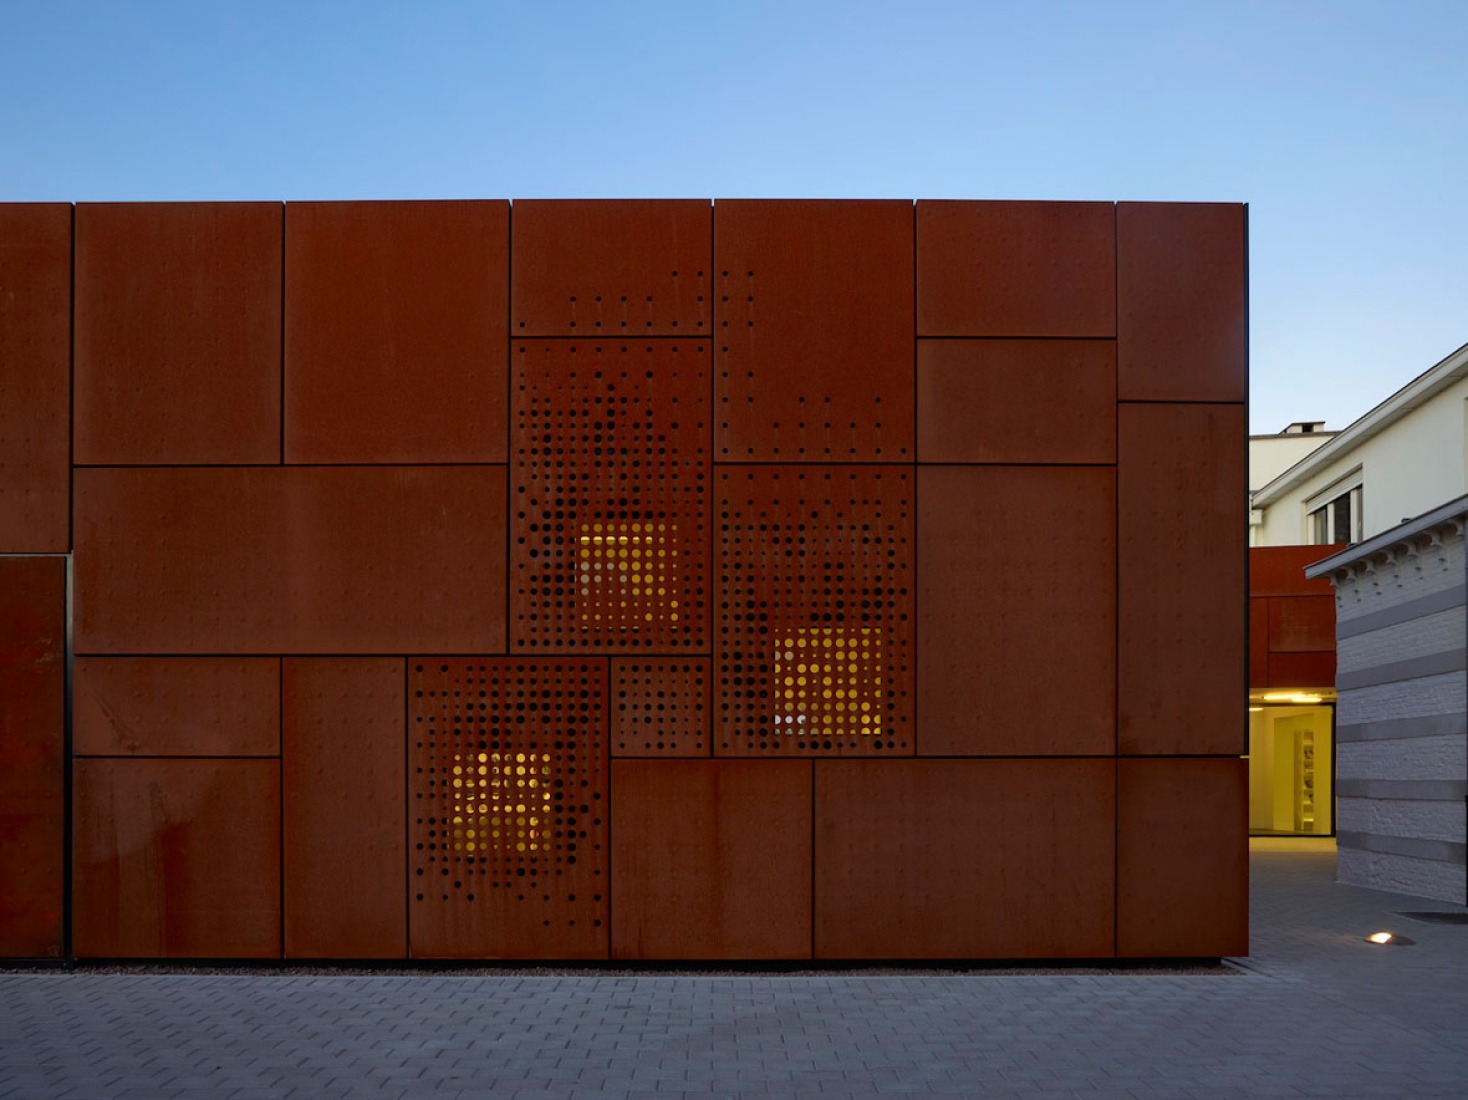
x=1402 y=715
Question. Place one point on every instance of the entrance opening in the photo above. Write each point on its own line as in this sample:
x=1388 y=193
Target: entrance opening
x=1292 y=763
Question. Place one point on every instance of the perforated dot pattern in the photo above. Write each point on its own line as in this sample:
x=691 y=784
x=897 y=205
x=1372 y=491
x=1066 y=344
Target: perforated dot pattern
x=609 y=492
x=814 y=616
x=509 y=806
x=659 y=706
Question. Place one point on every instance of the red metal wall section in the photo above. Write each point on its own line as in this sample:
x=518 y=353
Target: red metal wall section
x=1011 y=662
x=1181 y=639
x=814 y=620
x=171 y=706
x=176 y=859
x=178 y=332
x=1016 y=401
x=290 y=560
x=1291 y=619
x=1182 y=301
x=35 y=382
x=711 y=859
x=610 y=494
x=813 y=331
x=343 y=818
x=1016 y=269
x=964 y=858
x=1182 y=858
x=660 y=706
x=612 y=269
x=509 y=808
x=395 y=331
x=32 y=756
x=1280 y=570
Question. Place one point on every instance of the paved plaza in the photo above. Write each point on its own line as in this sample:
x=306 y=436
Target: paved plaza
x=1315 y=1011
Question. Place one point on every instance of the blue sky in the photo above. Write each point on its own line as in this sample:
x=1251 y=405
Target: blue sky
x=1344 y=125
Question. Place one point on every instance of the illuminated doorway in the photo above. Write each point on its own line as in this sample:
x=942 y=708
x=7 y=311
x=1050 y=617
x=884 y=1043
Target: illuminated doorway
x=1292 y=763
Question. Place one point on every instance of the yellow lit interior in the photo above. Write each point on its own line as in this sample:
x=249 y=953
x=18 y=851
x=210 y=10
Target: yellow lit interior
x=501 y=802
x=828 y=683
x=624 y=575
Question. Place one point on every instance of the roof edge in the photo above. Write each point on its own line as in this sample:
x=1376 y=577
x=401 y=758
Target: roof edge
x=1454 y=512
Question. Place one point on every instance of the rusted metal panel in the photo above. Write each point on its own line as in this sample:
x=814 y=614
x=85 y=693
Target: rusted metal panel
x=176 y=859
x=35 y=382
x=612 y=269
x=814 y=331
x=1182 y=643
x=1280 y=570
x=32 y=717
x=998 y=636
x=395 y=331
x=1258 y=642
x=610 y=543
x=508 y=808
x=660 y=706
x=178 y=332
x=176 y=706
x=964 y=858
x=1021 y=401
x=335 y=560
x=711 y=859
x=1182 y=858
x=1302 y=670
x=1181 y=293
x=813 y=630
x=1300 y=624
x=1016 y=268
x=343 y=810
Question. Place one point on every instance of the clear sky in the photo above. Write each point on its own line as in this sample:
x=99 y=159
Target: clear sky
x=1343 y=124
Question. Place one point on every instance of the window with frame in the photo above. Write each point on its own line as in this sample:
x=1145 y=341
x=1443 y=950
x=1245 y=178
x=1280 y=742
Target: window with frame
x=1338 y=520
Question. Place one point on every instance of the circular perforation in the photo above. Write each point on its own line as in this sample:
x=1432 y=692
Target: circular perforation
x=814 y=618
x=659 y=706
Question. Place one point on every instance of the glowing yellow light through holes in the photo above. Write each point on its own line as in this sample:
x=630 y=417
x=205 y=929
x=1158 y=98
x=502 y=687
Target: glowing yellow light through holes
x=624 y=575
x=501 y=802
x=828 y=683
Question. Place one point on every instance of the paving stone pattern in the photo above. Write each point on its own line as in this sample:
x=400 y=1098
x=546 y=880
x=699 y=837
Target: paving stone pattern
x=1314 y=1012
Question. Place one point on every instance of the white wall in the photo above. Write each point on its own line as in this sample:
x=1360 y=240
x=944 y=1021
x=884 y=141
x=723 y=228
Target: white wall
x=1272 y=455
x=1409 y=468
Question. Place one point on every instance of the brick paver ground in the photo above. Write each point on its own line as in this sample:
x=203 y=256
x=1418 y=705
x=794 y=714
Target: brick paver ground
x=1313 y=1012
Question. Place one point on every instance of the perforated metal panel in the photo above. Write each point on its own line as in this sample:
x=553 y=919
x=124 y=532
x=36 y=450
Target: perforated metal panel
x=609 y=497
x=508 y=806
x=660 y=707
x=813 y=619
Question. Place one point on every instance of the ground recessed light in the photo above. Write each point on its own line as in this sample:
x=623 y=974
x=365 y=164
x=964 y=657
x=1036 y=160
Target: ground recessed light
x=1389 y=938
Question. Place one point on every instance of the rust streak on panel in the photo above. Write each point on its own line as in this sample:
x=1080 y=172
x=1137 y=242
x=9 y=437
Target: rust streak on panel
x=1016 y=401
x=1181 y=578
x=964 y=858
x=612 y=269
x=711 y=859
x=1300 y=624
x=1017 y=642
x=1016 y=269
x=1182 y=858
x=176 y=859
x=35 y=377
x=290 y=559
x=813 y=331
x=178 y=332
x=395 y=331
x=343 y=812
x=176 y=706
x=32 y=705
x=1181 y=302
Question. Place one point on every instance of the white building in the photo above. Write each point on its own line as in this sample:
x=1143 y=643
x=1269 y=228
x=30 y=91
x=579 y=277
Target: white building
x=1402 y=459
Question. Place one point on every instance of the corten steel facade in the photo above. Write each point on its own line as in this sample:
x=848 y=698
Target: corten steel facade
x=1291 y=619
x=633 y=580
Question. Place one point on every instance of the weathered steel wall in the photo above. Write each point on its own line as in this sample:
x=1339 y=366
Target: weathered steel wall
x=1291 y=619
x=634 y=579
